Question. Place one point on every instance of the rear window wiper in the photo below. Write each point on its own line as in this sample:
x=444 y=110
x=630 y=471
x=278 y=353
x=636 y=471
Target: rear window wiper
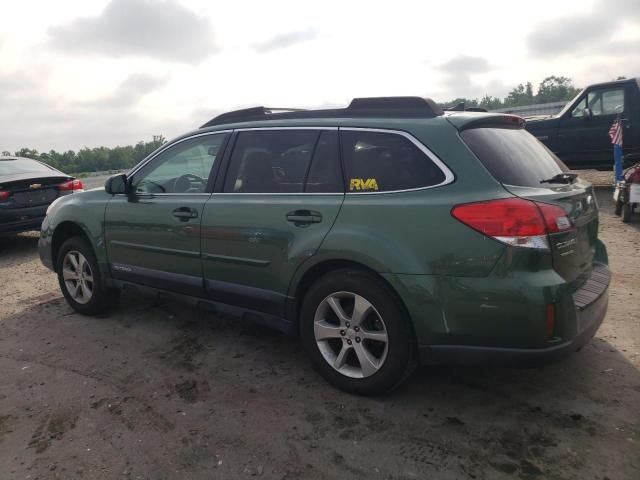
x=561 y=178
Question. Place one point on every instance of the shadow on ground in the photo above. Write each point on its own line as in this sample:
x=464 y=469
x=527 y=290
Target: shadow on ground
x=159 y=390
x=18 y=245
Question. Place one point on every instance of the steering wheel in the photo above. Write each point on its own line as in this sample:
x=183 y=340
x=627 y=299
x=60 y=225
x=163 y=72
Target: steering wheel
x=188 y=183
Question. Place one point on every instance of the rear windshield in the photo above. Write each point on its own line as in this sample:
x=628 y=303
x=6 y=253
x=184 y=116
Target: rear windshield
x=20 y=165
x=513 y=156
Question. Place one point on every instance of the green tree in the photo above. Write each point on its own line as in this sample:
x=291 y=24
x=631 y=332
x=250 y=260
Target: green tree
x=489 y=102
x=520 y=95
x=94 y=159
x=551 y=89
x=556 y=89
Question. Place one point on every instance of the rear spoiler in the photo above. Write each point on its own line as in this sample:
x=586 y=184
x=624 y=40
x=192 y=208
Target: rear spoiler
x=498 y=121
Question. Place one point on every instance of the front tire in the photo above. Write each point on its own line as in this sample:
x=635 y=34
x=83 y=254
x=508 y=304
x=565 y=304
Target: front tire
x=80 y=278
x=357 y=333
x=618 y=207
x=626 y=212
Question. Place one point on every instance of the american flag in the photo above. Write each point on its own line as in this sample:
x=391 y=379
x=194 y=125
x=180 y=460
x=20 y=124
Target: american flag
x=615 y=132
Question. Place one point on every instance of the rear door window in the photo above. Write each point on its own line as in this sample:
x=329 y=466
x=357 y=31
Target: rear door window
x=384 y=162
x=270 y=161
x=513 y=156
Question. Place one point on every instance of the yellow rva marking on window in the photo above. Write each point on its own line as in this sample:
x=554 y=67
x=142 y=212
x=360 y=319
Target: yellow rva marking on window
x=361 y=184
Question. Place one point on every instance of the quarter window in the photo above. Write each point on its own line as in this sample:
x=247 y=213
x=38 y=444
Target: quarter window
x=381 y=161
x=270 y=161
x=182 y=168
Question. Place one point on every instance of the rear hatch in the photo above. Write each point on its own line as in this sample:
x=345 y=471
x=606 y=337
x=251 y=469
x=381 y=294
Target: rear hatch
x=527 y=169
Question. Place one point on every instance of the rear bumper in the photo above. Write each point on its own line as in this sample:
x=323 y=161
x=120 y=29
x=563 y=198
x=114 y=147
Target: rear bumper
x=590 y=318
x=22 y=219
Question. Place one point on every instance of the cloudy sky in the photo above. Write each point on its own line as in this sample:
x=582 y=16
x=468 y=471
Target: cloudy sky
x=77 y=73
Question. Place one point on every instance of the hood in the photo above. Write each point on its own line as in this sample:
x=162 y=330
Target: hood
x=537 y=118
x=541 y=123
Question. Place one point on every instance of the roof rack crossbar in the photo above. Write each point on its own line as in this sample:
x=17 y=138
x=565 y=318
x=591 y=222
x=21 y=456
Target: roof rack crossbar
x=409 y=107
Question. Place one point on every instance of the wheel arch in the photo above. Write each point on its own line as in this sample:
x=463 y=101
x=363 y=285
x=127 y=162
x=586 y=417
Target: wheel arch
x=62 y=233
x=310 y=275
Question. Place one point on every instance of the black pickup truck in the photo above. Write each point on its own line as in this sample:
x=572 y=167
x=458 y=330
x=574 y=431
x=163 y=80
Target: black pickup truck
x=579 y=134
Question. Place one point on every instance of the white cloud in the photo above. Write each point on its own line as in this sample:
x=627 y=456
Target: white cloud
x=159 y=29
x=107 y=72
x=284 y=40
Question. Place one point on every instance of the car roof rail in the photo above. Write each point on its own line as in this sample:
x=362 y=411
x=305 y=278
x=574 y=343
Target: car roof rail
x=403 y=107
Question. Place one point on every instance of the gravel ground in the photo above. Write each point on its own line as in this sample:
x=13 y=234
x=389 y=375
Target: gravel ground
x=596 y=177
x=156 y=390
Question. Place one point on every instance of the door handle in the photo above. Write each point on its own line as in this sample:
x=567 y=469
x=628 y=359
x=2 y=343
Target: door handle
x=185 y=213
x=304 y=217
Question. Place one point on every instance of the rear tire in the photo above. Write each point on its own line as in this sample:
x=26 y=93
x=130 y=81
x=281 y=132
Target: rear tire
x=80 y=278
x=626 y=212
x=357 y=333
x=618 y=208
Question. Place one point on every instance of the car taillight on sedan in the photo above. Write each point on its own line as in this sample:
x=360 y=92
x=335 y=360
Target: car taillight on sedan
x=514 y=221
x=4 y=195
x=71 y=186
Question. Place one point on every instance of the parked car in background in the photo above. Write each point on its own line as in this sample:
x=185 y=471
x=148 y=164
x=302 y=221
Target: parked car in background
x=579 y=134
x=386 y=234
x=27 y=188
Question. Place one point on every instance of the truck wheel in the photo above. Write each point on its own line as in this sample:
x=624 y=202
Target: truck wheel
x=626 y=212
x=357 y=333
x=80 y=279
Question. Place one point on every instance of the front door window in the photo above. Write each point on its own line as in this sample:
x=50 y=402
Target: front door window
x=606 y=102
x=183 y=168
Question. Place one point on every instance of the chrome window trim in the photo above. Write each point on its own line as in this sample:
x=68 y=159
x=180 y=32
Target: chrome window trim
x=449 y=177
x=341 y=194
x=167 y=194
x=142 y=164
x=286 y=128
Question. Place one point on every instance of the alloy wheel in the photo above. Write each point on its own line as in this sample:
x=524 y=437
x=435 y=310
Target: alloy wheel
x=78 y=277
x=351 y=335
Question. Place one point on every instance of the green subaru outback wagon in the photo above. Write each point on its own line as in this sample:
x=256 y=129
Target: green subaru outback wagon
x=386 y=234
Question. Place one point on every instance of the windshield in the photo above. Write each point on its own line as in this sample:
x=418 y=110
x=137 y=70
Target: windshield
x=569 y=104
x=21 y=165
x=513 y=156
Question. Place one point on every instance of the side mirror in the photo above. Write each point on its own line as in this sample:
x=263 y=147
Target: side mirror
x=587 y=113
x=116 y=184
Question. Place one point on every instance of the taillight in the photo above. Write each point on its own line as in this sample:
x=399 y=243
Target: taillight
x=71 y=186
x=554 y=217
x=551 y=320
x=514 y=221
x=4 y=195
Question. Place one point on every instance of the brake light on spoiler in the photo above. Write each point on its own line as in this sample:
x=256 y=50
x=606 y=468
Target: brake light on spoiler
x=514 y=221
x=71 y=186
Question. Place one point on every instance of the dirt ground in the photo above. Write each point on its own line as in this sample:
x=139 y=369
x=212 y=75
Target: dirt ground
x=156 y=390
